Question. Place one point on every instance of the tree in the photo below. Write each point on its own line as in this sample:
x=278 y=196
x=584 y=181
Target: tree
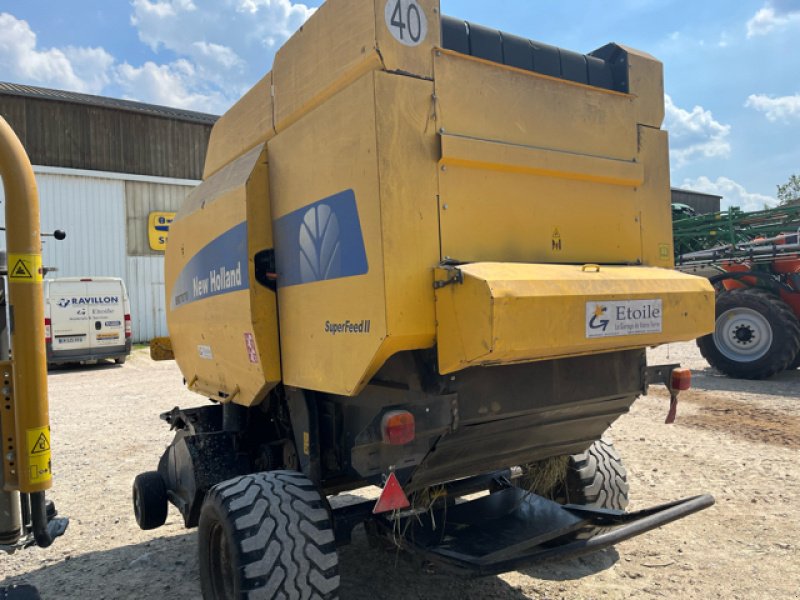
x=789 y=192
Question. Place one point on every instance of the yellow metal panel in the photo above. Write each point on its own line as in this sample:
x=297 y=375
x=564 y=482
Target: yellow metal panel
x=488 y=215
x=246 y=124
x=483 y=154
x=655 y=199
x=334 y=47
x=646 y=83
x=505 y=313
x=263 y=301
x=488 y=101
x=407 y=30
x=407 y=153
x=330 y=150
x=232 y=355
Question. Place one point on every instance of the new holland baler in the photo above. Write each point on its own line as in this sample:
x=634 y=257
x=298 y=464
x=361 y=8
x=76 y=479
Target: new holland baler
x=426 y=256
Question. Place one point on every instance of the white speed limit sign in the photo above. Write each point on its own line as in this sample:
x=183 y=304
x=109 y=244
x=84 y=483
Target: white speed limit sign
x=406 y=20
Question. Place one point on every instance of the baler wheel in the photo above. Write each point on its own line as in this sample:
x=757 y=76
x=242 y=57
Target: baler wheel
x=756 y=335
x=150 y=500
x=597 y=478
x=267 y=535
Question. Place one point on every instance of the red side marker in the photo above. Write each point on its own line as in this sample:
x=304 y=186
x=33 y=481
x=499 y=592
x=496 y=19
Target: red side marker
x=392 y=497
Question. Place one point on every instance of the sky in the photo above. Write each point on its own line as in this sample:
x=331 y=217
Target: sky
x=731 y=69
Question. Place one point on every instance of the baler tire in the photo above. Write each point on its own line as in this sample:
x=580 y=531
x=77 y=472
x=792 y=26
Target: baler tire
x=267 y=535
x=795 y=363
x=121 y=360
x=150 y=502
x=595 y=478
x=781 y=330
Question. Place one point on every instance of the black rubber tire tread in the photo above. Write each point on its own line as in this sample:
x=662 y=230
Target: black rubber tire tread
x=153 y=503
x=795 y=363
x=597 y=478
x=279 y=534
x=785 y=331
x=121 y=360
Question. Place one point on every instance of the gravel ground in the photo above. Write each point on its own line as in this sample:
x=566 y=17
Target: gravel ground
x=736 y=440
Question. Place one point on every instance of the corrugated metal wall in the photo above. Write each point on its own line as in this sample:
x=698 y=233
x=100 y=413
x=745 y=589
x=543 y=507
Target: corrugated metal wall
x=92 y=212
x=96 y=212
x=145 y=281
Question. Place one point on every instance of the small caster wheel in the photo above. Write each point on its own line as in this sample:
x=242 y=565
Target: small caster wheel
x=149 y=500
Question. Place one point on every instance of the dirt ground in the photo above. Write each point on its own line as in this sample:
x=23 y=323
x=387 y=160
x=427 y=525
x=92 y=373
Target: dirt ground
x=736 y=440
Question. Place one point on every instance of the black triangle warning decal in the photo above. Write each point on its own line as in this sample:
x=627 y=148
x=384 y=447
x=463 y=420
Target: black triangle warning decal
x=21 y=270
x=41 y=445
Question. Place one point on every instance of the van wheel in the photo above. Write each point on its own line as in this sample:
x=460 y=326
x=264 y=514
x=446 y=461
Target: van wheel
x=121 y=360
x=267 y=535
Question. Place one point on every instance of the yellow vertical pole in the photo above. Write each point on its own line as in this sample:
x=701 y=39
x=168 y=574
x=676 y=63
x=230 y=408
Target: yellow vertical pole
x=26 y=302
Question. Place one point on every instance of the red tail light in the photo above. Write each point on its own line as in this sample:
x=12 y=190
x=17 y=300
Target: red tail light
x=397 y=427
x=681 y=379
x=128 y=329
x=48 y=332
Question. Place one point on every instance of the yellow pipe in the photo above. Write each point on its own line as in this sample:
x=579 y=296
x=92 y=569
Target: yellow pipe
x=25 y=298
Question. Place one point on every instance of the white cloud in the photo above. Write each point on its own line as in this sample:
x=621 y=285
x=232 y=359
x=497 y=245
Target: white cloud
x=213 y=51
x=219 y=34
x=774 y=15
x=174 y=84
x=694 y=134
x=229 y=44
x=75 y=69
x=733 y=193
x=783 y=108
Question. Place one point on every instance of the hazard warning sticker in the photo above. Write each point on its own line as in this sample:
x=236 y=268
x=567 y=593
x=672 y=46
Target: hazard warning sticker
x=38 y=446
x=25 y=268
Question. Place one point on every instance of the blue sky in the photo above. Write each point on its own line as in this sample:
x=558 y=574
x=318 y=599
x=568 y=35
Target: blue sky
x=732 y=69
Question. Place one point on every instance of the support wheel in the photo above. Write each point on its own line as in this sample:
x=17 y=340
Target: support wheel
x=267 y=535
x=121 y=360
x=149 y=500
x=756 y=335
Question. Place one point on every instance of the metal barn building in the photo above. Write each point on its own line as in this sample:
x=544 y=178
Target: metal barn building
x=105 y=169
x=702 y=203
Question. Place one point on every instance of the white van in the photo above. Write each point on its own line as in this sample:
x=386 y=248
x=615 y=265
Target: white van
x=86 y=319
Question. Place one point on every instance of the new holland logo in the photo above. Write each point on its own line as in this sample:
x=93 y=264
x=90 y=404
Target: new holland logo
x=320 y=242
x=320 y=246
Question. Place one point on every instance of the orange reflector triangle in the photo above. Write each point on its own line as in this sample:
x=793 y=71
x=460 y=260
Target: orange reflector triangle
x=392 y=497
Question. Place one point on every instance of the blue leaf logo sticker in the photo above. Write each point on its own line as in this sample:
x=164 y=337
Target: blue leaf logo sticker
x=320 y=245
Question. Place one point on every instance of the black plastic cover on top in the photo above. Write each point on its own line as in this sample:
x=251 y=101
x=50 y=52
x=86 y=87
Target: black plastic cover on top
x=605 y=68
